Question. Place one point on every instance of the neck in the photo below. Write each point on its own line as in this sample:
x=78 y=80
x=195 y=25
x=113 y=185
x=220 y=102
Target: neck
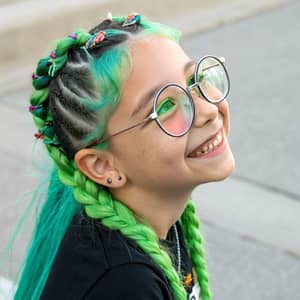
x=161 y=210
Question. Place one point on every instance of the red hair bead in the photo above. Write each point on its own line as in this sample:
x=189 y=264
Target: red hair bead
x=32 y=108
x=39 y=135
x=95 y=39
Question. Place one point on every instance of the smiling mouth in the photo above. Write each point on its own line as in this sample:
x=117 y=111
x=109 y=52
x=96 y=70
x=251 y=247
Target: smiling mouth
x=209 y=146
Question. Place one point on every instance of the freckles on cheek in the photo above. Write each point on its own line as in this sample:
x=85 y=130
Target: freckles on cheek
x=170 y=154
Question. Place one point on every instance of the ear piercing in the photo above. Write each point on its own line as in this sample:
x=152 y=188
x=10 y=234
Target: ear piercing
x=109 y=180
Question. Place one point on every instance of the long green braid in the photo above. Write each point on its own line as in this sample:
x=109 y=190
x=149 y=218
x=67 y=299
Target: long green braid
x=96 y=200
x=190 y=226
x=59 y=208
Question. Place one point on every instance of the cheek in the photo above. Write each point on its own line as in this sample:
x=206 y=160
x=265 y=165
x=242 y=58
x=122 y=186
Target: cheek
x=148 y=151
x=176 y=124
x=224 y=110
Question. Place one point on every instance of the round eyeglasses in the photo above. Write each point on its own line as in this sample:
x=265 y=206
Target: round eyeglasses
x=173 y=106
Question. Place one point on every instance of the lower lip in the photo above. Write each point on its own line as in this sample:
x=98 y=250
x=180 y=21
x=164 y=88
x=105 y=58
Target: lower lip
x=220 y=148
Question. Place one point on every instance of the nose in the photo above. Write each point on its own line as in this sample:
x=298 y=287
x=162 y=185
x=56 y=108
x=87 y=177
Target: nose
x=205 y=112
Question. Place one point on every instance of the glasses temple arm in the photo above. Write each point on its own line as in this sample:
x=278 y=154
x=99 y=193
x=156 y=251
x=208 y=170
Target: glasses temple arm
x=101 y=140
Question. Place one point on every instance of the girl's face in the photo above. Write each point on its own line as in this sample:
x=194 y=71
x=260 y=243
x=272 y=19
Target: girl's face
x=151 y=159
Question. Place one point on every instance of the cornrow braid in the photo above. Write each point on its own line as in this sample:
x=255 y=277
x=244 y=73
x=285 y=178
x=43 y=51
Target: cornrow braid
x=48 y=68
x=76 y=89
x=190 y=226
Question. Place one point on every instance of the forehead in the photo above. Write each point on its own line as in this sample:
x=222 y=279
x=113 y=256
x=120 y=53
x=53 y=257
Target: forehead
x=156 y=57
x=154 y=61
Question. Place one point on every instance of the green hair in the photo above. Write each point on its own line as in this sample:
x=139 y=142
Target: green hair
x=79 y=85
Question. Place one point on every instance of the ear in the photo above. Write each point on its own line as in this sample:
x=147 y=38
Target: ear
x=99 y=166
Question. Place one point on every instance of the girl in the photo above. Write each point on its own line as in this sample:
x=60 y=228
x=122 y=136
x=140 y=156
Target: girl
x=133 y=125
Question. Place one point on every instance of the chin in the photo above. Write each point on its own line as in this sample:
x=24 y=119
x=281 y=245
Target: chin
x=226 y=170
x=220 y=173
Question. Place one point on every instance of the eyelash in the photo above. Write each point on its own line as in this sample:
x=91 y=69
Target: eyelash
x=191 y=77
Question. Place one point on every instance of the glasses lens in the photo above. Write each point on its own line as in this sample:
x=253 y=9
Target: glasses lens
x=213 y=79
x=175 y=110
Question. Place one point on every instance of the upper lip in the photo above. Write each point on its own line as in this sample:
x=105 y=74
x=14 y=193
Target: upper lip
x=212 y=136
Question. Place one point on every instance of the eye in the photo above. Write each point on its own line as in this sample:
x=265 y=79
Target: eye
x=165 y=106
x=191 y=80
x=201 y=76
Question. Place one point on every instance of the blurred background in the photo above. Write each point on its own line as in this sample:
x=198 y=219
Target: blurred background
x=250 y=221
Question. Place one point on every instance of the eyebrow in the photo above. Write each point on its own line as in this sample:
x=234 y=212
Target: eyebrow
x=144 y=99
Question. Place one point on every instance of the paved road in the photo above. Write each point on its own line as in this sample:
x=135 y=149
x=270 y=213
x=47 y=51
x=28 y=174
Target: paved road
x=262 y=56
x=250 y=221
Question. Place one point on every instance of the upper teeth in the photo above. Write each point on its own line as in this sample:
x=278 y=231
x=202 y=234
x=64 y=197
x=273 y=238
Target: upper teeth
x=208 y=147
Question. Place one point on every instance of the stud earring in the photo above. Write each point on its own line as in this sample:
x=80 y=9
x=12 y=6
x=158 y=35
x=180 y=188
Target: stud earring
x=119 y=178
x=109 y=180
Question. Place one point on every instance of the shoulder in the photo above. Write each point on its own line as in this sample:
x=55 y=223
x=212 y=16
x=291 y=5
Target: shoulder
x=91 y=254
x=134 y=281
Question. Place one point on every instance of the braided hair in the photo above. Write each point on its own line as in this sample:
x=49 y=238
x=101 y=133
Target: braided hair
x=77 y=87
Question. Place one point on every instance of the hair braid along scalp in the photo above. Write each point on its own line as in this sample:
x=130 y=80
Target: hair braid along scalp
x=72 y=109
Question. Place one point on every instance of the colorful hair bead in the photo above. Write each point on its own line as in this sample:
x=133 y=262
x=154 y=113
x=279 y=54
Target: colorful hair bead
x=131 y=19
x=33 y=107
x=95 y=39
x=34 y=76
x=53 y=54
x=73 y=36
x=39 y=136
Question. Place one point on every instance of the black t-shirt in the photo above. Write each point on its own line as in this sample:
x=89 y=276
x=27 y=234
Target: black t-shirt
x=97 y=263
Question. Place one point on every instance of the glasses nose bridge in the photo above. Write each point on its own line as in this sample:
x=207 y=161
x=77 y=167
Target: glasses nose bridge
x=192 y=86
x=209 y=110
